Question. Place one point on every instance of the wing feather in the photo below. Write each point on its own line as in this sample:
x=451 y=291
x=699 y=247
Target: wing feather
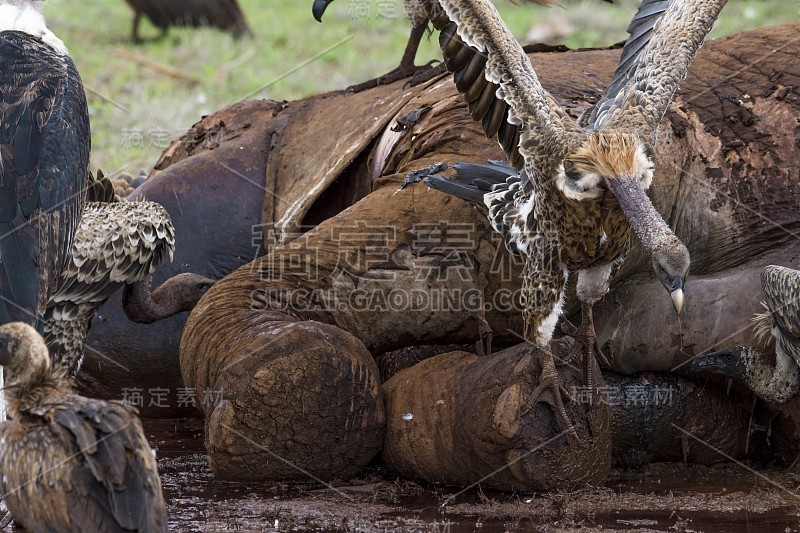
x=480 y=26
x=117 y=243
x=44 y=154
x=665 y=37
x=120 y=475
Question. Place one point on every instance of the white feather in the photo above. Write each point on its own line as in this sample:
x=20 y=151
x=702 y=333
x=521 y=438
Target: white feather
x=644 y=167
x=548 y=326
x=27 y=19
x=586 y=188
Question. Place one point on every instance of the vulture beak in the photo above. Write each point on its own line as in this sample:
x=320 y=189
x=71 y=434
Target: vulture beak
x=676 y=293
x=726 y=363
x=319 y=7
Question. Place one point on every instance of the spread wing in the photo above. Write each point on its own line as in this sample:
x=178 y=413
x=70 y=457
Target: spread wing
x=467 y=65
x=665 y=37
x=495 y=189
x=543 y=140
x=44 y=154
x=118 y=487
x=116 y=243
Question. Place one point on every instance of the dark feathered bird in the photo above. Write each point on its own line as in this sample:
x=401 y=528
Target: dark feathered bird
x=419 y=12
x=44 y=156
x=581 y=187
x=70 y=463
x=223 y=14
x=118 y=243
x=776 y=382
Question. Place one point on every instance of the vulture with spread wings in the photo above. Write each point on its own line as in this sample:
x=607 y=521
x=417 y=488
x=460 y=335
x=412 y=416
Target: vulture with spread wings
x=579 y=187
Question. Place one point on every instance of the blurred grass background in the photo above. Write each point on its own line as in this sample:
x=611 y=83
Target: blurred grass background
x=136 y=110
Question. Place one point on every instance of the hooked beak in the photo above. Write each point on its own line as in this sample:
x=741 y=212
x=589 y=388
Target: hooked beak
x=726 y=363
x=676 y=293
x=319 y=7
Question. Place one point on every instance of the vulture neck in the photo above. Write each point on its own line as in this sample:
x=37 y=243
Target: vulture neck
x=776 y=383
x=145 y=306
x=24 y=16
x=26 y=390
x=641 y=214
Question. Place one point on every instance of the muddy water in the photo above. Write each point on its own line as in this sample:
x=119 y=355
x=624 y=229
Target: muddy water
x=662 y=497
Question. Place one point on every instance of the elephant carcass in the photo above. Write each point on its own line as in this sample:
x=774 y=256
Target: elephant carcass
x=397 y=243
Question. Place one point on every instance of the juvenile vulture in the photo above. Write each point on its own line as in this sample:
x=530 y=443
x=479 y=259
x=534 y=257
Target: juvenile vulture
x=419 y=12
x=70 y=463
x=118 y=243
x=581 y=184
x=778 y=382
x=223 y=14
x=44 y=158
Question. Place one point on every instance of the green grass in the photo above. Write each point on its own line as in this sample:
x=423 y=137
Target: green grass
x=136 y=110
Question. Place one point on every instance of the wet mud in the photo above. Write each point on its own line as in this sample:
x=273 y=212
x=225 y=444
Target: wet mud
x=675 y=497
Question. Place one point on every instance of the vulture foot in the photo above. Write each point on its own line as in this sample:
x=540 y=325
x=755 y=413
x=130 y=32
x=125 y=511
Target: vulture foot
x=550 y=385
x=585 y=346
x=417 y=75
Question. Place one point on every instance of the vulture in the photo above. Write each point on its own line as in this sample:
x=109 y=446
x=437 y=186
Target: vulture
x=44 y=160
x=71 y=463
x=223 y=14
x=778 y=382
x=579 y=190
x=419 y=12
x=117 y=244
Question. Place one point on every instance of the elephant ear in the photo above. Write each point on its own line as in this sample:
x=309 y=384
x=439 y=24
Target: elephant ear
x=318 y=156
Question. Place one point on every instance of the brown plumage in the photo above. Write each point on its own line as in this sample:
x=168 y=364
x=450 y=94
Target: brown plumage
x=118 y=243
x=70 y=463
x=419 y=13
x=778 y=382
x=581 y=188
x=223 y=14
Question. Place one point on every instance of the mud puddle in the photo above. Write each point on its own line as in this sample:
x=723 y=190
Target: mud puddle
x=663 y=497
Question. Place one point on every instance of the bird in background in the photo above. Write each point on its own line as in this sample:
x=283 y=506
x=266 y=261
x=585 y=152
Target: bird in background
x=580 y=190
x=223 y=14
x=418 y=12
x=777 y=328
x=71 y=463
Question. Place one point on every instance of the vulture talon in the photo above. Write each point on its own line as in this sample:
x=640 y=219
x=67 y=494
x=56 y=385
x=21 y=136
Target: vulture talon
x=416 y=75
x=550 y=385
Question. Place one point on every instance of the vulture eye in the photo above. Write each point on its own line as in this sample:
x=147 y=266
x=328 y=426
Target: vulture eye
x=572 y=173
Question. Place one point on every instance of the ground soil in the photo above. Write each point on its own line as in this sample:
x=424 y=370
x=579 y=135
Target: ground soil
x=662 y=497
